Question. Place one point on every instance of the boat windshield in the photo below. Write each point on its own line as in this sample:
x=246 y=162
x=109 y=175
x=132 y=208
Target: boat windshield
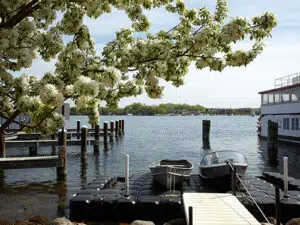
x=223 y=157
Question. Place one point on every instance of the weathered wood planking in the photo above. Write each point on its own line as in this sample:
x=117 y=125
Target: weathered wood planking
x=30 y=162
x=35 y=143
x=217 y=209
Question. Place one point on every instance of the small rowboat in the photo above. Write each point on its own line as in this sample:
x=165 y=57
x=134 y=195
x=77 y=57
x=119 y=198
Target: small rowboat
x=215 y=164
x=170 y=173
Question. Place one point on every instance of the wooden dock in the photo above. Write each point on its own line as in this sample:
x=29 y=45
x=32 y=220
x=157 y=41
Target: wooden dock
x=30 y=162
x=216 y=209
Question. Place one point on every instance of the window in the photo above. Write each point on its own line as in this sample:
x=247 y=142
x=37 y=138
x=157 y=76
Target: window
x=265 y=99
x=271 y=98
x=277 y=98
x=285 y=97
x=295 y=123
x=286 y=123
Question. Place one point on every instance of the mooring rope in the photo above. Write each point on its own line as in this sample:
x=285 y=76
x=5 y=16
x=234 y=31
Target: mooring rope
x=249 y=194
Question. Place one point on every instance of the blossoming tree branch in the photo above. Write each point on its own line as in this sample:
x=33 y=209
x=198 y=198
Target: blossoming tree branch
x=127 y=66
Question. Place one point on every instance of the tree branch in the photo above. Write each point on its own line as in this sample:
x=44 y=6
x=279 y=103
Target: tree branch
x=9 y=120
x=24 y=12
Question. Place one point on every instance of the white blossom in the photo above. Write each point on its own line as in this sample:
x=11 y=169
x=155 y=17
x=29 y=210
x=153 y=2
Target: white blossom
x=51 y=95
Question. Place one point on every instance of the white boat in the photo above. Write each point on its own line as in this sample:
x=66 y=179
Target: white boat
x=215 y=164
x=170 y=173
x=281 y=105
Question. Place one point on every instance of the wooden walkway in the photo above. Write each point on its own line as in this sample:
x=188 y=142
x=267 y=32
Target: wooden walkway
x=216 y=209
x=30 y=162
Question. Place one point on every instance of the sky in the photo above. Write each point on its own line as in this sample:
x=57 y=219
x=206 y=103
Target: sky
x=231 y=88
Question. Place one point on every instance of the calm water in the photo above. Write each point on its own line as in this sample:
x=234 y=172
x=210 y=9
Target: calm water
x=146 y=139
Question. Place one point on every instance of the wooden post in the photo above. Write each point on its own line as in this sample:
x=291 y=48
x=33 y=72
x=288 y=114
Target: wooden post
x=123 y=125
x=62 y=142
x=62 y=138
x=84 y=131
x=190 y=215
x=2 y=145
x=117 y=128
x=61 y=171
x=105 y=126
x=272 y=143
x=277 y=205
x=97 y=138
x=120 y=127
x=33 y=149
x=53 y=137
x=272 y=135
x=111 y=130
x=205 y=134
x=78 y=129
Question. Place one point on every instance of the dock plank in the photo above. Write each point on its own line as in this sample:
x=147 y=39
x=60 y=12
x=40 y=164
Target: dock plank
x=30 y=162
x=217 y=209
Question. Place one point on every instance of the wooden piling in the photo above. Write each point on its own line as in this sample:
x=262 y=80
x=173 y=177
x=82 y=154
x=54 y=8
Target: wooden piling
x=97 y=138
x=62 y=142
x=84 y=133
x=111 y=130
x=62 y=138
x=78 y=129
x=205 y=134
x=33 y=149
x=61 y=171
x=105 y=127
x=117 y=128
x=120 y=127
x=53 y=152
x=123 y=125
x=272 y=135
x=2 y=145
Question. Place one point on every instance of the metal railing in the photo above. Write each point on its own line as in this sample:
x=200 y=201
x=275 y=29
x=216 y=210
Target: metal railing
x=287 y=80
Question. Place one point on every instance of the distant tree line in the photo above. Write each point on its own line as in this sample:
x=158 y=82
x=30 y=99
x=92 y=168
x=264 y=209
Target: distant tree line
x=170 y=109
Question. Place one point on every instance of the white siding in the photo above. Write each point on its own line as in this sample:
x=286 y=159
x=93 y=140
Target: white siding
x=279 y=119
x=281 y=108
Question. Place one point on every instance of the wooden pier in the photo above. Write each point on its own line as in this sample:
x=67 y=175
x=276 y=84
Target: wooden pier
x=58 y=161
x=216 y=209
x=83 y=137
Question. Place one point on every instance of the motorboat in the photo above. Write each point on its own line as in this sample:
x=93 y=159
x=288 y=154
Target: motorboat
x=216 y=164
x=170 y=173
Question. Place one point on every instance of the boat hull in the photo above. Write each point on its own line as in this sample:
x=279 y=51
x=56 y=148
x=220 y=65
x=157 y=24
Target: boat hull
x=167 y=180
x=170 y=175
x=221 y=170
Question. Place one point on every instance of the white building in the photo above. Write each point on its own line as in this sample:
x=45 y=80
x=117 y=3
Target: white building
x=282 y=105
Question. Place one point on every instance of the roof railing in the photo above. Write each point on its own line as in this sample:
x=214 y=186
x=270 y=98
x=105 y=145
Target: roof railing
x=287 y=80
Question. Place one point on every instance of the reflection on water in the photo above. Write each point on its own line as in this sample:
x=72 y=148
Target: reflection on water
x=83 y=167
x=273 y=159
x=62 y=198
x=146 y=139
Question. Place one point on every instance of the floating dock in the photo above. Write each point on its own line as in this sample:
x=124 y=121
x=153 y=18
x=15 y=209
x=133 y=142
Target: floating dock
x=103 y=200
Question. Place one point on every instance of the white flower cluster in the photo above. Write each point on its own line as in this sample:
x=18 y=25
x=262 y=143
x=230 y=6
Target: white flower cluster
x=86 y=86
x=50 y=95
x=29 y=104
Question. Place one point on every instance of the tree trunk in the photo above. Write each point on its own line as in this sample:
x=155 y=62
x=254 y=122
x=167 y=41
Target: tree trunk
x=2 y=145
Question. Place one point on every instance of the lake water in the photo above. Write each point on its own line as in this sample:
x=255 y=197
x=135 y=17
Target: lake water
x=146 y=139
